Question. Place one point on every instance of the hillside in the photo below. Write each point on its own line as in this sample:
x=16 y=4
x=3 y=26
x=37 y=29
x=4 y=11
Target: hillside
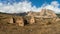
x=41 y=25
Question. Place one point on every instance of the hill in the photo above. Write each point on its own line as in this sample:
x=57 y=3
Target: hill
x=41 y=26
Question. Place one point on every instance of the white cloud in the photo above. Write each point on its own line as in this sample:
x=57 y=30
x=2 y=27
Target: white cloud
x=24 y=6
x=55 y=3
x=53 y=6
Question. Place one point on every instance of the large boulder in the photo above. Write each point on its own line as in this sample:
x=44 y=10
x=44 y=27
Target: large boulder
x=19 y=21
x=30 y=19
x=47 y=13
x=57 y=20
x=7 y=19
x=46 y=17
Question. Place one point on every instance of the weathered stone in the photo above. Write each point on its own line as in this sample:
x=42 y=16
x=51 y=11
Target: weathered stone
x=8 y=19
x=46 y=20
x=11 y=20
x=57 y=20
x=19 y=21
x=48 y=16
x=30 y=19
x=47 y=13
x=44 y=17
x=31 y=13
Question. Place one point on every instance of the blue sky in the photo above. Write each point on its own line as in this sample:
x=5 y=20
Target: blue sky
x=17 y=6
x=37 y=3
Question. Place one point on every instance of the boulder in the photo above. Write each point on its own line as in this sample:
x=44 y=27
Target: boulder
x=47 y=13
x=8 y=19
x=19 y=21
x=57 y=20
x=30 y=19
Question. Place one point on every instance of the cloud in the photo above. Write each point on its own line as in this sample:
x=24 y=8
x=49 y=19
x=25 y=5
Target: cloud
x=53 y=6
x=55 y=3
x=24 y=6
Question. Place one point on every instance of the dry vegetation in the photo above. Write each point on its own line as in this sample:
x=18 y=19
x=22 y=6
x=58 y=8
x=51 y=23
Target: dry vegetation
x=41 y=25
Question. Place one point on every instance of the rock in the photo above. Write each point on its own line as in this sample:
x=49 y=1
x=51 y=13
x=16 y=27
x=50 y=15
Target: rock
x=19 y=21
x=47 y=13
x=58 y=20
x=8 y=19
x=46 y=17
x=30 y=19
x=11 y=20
x=31 y=13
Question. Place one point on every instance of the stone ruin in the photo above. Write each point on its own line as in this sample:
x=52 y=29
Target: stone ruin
x=30 y=19
x=7 y=19
x=47 y=13
x=47 y=16
x=19 y=21
x=31 y=13
x=44 y=17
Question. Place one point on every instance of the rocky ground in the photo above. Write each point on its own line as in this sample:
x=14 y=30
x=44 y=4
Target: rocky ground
x=6 y=28
x=36 y=28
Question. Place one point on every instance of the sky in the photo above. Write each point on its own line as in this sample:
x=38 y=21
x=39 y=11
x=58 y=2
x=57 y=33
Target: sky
x=18 y=6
